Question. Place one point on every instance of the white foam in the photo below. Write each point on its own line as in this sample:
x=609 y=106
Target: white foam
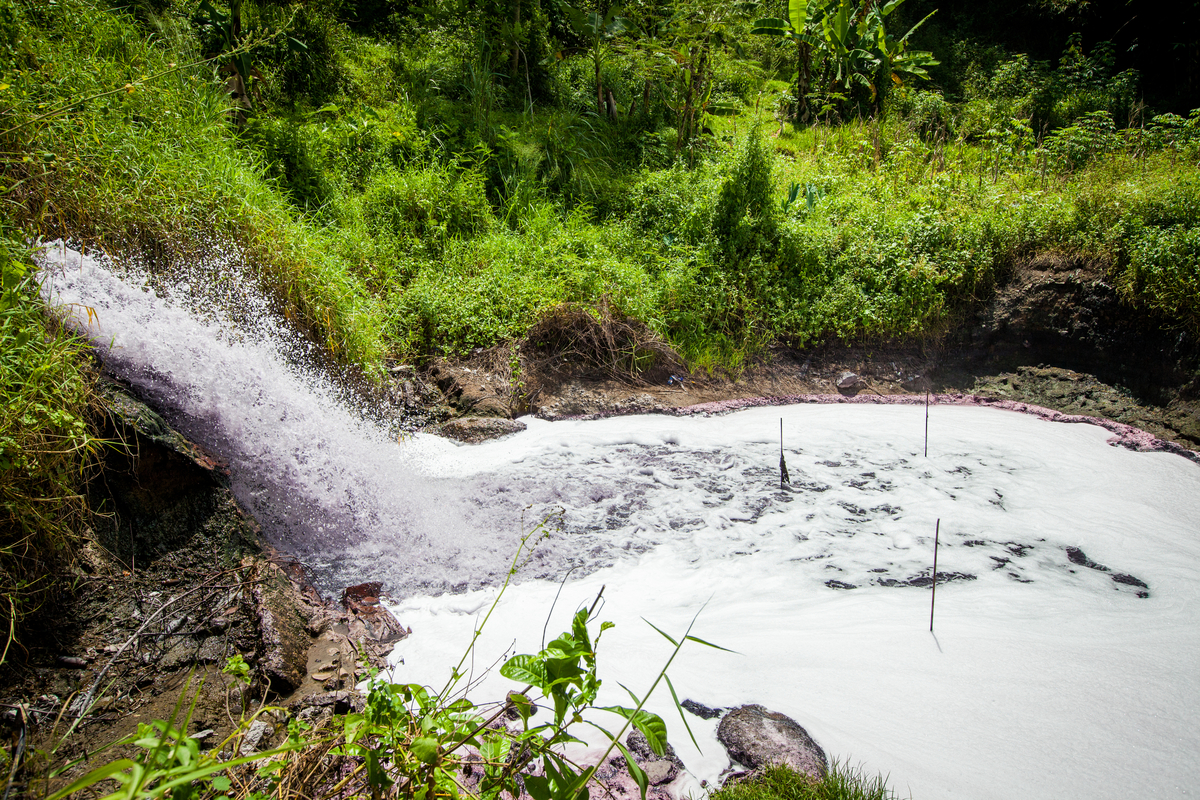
x=1067 y=685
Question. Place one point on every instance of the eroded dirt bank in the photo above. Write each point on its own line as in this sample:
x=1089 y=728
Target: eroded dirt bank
x=1056 y=334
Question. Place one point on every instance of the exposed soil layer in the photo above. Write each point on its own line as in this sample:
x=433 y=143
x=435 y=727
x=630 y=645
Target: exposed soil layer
x=1056 y=334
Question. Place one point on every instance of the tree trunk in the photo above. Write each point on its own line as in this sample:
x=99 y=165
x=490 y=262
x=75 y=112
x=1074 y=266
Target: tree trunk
x=599 y=88
x=516 y=40
x=802 y=81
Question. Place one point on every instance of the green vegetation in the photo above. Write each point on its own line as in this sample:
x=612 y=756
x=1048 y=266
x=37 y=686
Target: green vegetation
x=415 y=181
x=411 y=741
x=412 y=181
x=419 y=181
x=46 y=447
x=781 y=783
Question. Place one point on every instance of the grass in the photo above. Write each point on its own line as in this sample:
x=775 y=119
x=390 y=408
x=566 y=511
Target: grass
x=47 y=449
x=781 y=783
x=412 y=212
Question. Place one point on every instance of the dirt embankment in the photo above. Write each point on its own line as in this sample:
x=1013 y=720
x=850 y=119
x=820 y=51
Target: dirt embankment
x=173 y=584
x=1056 y=334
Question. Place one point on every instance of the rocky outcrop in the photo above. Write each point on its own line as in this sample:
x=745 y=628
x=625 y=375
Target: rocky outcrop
x=756 y=737
x=163 y=491
x=282 y=614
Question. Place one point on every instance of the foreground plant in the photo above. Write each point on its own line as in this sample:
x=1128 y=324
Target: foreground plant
x=418 y=744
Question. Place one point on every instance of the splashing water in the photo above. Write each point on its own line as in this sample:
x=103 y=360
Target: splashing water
x=1068 y=628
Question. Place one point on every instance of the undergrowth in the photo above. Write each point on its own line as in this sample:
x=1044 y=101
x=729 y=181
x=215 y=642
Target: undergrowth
x=47 y=448
x=403 y=205
x=777 y=782
x=391 y=182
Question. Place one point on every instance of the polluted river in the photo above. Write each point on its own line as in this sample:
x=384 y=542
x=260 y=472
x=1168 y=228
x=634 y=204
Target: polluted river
x=1065 y=643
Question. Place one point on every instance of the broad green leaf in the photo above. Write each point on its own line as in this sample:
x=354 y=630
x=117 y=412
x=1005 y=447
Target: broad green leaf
x=424 y=749
x=526 y=669
x=798 y=14
x=538 y=787
x=770 y=26
x=649 y=723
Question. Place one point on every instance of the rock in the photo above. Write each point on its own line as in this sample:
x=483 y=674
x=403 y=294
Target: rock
x=212 y=650
x=164 y=490
x=849 y=382
x=254 y=736
x=642 y=752
x=660 y=772
x=338 y=702
x=283 y=628
x=368 y=618
x=755 y=737
x=700 y=710
x=473 y=430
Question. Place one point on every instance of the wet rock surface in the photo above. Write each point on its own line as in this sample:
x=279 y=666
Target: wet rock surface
x=756 y=737
x=473 y=430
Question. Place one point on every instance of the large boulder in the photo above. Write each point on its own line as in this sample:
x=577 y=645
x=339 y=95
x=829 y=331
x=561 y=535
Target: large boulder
x=756 y=737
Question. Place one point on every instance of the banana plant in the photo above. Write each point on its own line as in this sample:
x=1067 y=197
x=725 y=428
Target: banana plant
x=800 y=29
x=598 y=30
x=850 y=38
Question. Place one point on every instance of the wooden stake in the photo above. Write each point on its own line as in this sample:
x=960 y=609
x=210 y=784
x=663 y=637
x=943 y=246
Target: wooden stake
x=784 y=478
x=933 y=593
x=927 y=422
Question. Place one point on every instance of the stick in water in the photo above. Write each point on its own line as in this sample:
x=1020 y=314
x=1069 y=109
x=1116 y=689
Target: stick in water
x=927 y=421
x=784 y=478
x=933 y=593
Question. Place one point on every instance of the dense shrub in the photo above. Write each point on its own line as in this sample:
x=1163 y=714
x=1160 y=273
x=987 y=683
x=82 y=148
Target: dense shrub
x=427 y=206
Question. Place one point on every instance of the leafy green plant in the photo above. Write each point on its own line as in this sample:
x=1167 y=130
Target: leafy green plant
x=1091 y=135
x=414 y=742
x=851 y=46
x=598 y=30
x=48 y=446
x=168 y=763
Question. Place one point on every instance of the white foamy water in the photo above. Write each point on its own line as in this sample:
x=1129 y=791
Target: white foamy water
x=1067 y=648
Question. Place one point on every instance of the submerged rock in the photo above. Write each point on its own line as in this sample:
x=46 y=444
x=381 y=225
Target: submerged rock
x=700 y=710
x=473 y=430
x=756 y=737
